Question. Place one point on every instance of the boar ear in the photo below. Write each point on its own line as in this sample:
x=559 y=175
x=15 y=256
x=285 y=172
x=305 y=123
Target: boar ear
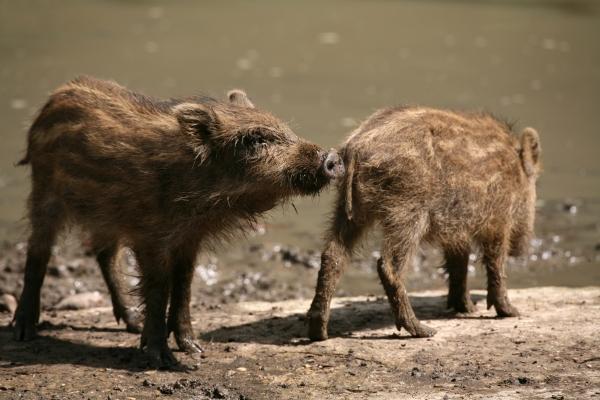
x=194 y=117
x=530 y=151
x=239 y=98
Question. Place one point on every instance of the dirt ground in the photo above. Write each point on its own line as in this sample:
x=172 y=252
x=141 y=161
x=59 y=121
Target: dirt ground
x=255 y=350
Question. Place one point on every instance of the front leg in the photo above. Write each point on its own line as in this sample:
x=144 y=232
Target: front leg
x=180 y=322
x=155 y=285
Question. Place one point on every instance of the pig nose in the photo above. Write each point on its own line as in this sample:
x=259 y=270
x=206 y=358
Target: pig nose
x=333 y=166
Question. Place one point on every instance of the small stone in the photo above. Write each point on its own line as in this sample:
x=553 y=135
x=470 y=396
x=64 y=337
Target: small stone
x=166 y=389
x=80 y=301
x=220 y=392
x=8 y=303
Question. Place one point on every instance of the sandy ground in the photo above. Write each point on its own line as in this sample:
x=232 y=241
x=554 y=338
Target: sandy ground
x=256 y=350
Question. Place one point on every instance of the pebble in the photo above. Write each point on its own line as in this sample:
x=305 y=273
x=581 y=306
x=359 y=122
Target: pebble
x=80 y=301
x=220 y=392
x=8 y=303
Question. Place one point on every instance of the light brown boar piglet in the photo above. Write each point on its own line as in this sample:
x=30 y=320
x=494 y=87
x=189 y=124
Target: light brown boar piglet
x=425 y=175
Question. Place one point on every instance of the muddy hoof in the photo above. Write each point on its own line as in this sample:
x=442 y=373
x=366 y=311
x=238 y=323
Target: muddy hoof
x=507 y=311
x=24 y=327
x=160 y=357
x=188 y=345
x=317 y=329
x=421 y=331
x=503 y=307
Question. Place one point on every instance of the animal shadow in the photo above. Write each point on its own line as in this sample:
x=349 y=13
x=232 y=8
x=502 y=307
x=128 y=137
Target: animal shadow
x=345 y=321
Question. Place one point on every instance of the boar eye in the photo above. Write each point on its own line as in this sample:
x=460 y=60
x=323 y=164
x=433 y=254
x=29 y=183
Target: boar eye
x=255 y=140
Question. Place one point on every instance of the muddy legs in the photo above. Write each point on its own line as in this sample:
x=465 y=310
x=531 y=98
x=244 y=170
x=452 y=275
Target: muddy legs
x=167 y=276
x=155 y=287
x=457 y=265
x=106 y=257
x=28 y=311
x=401 y=239
x=46 y=220
x=391 y=267
x=494 y=258
x=333 y=261
x=179 y=310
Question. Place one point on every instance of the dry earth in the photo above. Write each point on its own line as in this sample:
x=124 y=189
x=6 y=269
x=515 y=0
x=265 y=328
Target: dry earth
x=257 y=350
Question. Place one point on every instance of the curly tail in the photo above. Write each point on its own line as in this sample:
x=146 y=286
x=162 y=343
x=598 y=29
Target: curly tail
x=530 y=151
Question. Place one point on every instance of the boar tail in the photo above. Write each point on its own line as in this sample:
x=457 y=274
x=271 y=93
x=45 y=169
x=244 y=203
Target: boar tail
x=530 y=151
x=350 y=166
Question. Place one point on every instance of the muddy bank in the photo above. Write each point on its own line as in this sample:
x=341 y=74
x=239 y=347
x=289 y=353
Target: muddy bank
x=257 y=350
x=565 y=252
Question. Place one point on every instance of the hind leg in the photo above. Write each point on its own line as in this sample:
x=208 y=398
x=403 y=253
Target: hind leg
x=344 y=234
x=495 y=251
x=106 y=256
x=457 y=265
x=46 y=220
x=400 y=243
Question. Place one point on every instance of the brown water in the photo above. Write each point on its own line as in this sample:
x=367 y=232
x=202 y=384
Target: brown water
x=324 y=66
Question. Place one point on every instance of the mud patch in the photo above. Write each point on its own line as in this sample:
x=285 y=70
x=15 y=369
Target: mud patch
x=258 y=350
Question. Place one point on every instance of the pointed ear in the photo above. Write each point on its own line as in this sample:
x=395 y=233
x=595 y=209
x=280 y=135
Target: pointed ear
x=239 y=98
x=194 y=117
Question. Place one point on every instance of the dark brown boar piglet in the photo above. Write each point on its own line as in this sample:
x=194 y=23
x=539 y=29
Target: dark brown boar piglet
x=447 y=178
x=162 y=177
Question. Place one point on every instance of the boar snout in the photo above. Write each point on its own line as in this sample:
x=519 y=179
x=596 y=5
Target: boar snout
x=333 y=166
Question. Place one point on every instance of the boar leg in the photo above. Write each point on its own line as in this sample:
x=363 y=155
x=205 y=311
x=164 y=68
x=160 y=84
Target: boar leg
x=495 y=252
x=179 y=312
x=155 y=285
x=457 y=265
x=28 y=311
x=46 y=220
x=334 y=259
x=106 y=257
x=397 y=255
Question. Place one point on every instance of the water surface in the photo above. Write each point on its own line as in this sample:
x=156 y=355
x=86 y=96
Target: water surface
x=324 y=66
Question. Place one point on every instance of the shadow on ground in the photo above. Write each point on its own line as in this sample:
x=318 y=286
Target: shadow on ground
x=97 y=346
x=350 y=318
x=48 y=349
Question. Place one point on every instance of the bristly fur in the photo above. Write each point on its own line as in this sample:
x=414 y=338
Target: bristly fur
x=163 y=177
x=453 y=179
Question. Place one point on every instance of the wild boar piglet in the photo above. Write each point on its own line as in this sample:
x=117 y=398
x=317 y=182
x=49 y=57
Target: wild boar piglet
x=164 y=177
x=452 y=179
